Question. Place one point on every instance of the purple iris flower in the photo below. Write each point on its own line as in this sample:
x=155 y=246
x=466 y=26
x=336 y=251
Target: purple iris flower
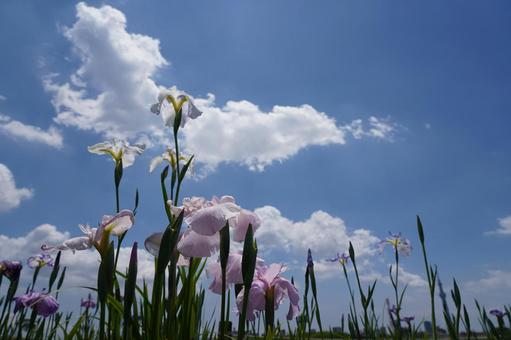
x=40 y=260
x=408 y=319
x=497 y=312
x=11 y=269
x=44 y=304
x=341 y=258
x=88 y=303
x=393 y=310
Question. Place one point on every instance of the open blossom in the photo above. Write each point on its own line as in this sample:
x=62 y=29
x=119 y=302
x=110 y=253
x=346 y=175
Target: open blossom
x=341 y=258
x=399 y=243
x=152 y=245
x=10 y=269
x=118 y=149
x=497 y=312
x=113 y=225
x=170 y=157
x=172 y=100
x=233 y=273
x=201 y=238
x=268 y=280
x=40 y=260
x=43 y=303
x=88 y=302
x=408 y=319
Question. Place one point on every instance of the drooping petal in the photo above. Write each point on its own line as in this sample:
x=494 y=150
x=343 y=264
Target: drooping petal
x=152 y=243
x=76 y=243
x=155 y=162
x=269 y=273
x=46 y=305
x=130 y=152
x=193 y=244
x=106 y=147
x=240 y=226
x=207 y=221
x=193 y=111
x=292 y=293
x=256 y=299
x=120 y=223
x=214 y=271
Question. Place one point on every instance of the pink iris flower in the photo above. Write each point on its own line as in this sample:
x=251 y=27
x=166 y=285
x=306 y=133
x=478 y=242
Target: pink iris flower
x=233 y=274
x=205 y=219
x=269 y=278
x=114 y=225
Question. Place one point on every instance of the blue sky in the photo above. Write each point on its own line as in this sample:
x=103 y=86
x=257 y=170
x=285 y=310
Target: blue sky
x=426 y=82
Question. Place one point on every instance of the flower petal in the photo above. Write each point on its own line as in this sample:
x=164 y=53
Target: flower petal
x=120 y=223
x=152 y=243
x=193 y=244
x=240 y=226
x=207 y=221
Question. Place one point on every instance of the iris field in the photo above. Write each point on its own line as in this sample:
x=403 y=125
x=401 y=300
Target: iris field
x=172 y=305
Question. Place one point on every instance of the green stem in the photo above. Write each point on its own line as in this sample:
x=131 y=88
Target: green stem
x=222 y=307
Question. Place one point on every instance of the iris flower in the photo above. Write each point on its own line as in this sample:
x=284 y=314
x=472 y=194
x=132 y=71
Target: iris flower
x=110 y=225
x=43 y=303
x=169 y=156
x=40 y=260
x=498 y=313
x=233 y=273
x=11 y=269
x=399 y=243
x=268 y=278
x=170 y=101
x=408 y=319
x=201 y=238
x=88 y=303
x=341 y=258
x=118 y=149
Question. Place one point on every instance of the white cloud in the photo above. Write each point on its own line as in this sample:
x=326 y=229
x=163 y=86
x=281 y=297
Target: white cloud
x=495 y=280
x=115 y=64
x=10 y=196
x=19 y=130
x=2 y=98
x=379 y=128
x=241 y=133
x=113 y=88
x=504 y=227
x=324 y=234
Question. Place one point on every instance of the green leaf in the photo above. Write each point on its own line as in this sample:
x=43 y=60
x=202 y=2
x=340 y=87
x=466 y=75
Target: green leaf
x=420 y=229
x=55 y=271
x=185 y=169
x=352 y=252
x=130 y=285
x=74 y=331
